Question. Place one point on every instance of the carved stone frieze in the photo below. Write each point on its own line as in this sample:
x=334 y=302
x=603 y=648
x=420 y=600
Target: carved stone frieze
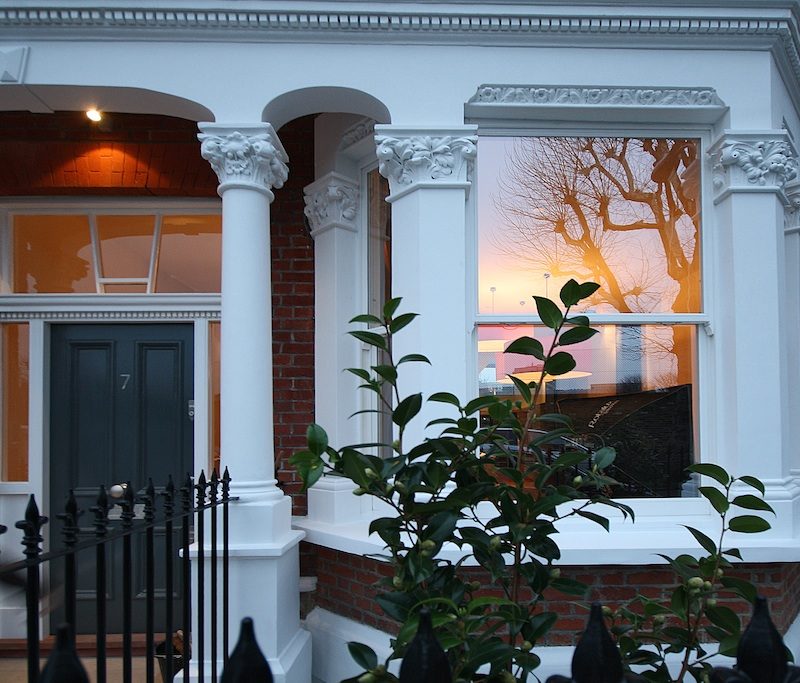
x=239 y=159
x=358 y=132
x=754 y=163
x=331 y=201
x=416 y=159
x=116 y=315
x=594 y=96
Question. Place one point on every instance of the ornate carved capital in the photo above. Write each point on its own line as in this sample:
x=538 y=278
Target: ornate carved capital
x=331 y=202
x=749 y=162
x=250 y=157
x=422 y=159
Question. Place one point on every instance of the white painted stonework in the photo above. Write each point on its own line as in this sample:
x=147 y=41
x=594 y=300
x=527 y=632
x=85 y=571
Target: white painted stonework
x=409 y=88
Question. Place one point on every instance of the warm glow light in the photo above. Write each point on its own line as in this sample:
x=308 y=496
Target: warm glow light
x=93 y=115
x=534 y=376
x=492 y=345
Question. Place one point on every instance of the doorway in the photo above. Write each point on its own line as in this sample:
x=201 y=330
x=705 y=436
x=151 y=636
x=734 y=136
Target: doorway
x=121 y=408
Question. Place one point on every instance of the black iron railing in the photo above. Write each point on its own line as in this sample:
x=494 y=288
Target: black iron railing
x=181 y=510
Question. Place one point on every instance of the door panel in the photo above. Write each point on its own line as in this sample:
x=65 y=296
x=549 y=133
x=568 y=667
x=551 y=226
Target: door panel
x=118 y=412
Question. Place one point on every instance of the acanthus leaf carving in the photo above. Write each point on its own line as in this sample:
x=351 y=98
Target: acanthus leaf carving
x=589 y=95
x=424 y=158
x=759 y=163
x=331 y=201
x=243 y=159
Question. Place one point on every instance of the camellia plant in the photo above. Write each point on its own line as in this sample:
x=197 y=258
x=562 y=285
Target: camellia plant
x=490 y=487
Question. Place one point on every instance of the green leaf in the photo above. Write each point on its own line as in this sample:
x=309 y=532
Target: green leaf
x=371 y=338
x=599 y=519
x=367 y=318
x=527 y=346
x=570 y=586
x=754 y=482
x=724 y=617
x=522 y=387
x=387 y=372
x=479 y=403
x=716 y=472
x=748 y=524
x=744 y=588
x=578 y=320
x=716 y=498
x=576 y=335
x=749 y=502
x=317 y=439
x=360 y=373
x=733 y=552
x=363 y=655
x=559 y=363
x=707 y=544
x=604 y=457
x=549 y=313
x=414 y=358
x=407 y=409
x=391 y=306
x=570 y=293
x=445 y=397
x=587 y=289
x=401 y=321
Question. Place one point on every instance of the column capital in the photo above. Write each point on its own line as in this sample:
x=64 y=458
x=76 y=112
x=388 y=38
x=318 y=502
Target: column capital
x=412 y=158
x=331 y=202
x=246 y=156
x=752 y=161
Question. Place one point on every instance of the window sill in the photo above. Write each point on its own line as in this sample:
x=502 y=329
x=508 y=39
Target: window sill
x=585 y=543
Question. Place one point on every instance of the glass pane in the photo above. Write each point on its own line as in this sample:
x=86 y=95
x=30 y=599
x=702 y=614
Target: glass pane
x=53 y=255
x=14 y=406
x=124 y=289
x=190 y=254
x=126 y=245
x=379 y=257
x=214 y=331
x=622 y=212
x=633 y=388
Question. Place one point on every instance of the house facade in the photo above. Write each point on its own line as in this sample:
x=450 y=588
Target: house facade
x=263 y=172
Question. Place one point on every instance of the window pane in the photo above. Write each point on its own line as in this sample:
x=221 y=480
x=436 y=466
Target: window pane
x=633 y=388
x=622 y=212
x=14 y=405
x=379 y=257
x=190 y=254
x=53 y=255
x=126 y=245
x=124 y=288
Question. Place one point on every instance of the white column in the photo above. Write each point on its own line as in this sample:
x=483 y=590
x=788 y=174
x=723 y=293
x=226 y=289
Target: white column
x=264 y=570
x=332 y=204
x=752 y=341
x=429 y=174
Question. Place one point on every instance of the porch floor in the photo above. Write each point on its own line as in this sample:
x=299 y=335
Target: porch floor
x=15 y=670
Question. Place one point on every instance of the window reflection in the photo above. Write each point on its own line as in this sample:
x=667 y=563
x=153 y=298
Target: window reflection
x=116 y=254
x=633 y=388
x=14 y=401
x=53 y=255
x=622 y=212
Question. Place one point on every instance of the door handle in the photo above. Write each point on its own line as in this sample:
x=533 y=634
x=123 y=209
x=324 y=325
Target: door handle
x=190 y=409
x=117 y=490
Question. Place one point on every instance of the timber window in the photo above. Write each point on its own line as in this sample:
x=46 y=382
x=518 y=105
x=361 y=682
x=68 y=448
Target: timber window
x=623 y=212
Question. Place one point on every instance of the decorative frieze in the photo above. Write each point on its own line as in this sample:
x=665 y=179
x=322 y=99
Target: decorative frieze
x=106 y=315
x=253 y=159
x=752 y=162
x=596 y=96
x=356 y=133
x=331 y=202
x=425 y=159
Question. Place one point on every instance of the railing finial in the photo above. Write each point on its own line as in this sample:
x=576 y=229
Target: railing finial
x=247 y=663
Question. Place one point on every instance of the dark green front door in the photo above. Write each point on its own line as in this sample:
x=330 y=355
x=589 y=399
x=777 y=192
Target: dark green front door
x=119 y=411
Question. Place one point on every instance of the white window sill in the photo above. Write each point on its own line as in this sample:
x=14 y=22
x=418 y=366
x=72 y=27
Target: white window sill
x=658 y=529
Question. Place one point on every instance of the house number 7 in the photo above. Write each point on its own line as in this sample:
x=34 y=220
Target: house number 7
x=125 y=379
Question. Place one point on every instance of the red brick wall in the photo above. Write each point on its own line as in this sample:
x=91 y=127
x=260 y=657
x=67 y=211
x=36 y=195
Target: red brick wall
x=293 y=307
x=345 y=586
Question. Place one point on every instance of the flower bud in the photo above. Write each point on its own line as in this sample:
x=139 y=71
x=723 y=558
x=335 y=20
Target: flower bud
x=695 y=582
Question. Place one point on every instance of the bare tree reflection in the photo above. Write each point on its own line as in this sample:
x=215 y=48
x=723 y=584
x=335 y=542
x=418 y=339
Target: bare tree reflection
x=588 y=208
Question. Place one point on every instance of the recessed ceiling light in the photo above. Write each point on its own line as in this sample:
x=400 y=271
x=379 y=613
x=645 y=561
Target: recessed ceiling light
x=94 y=115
